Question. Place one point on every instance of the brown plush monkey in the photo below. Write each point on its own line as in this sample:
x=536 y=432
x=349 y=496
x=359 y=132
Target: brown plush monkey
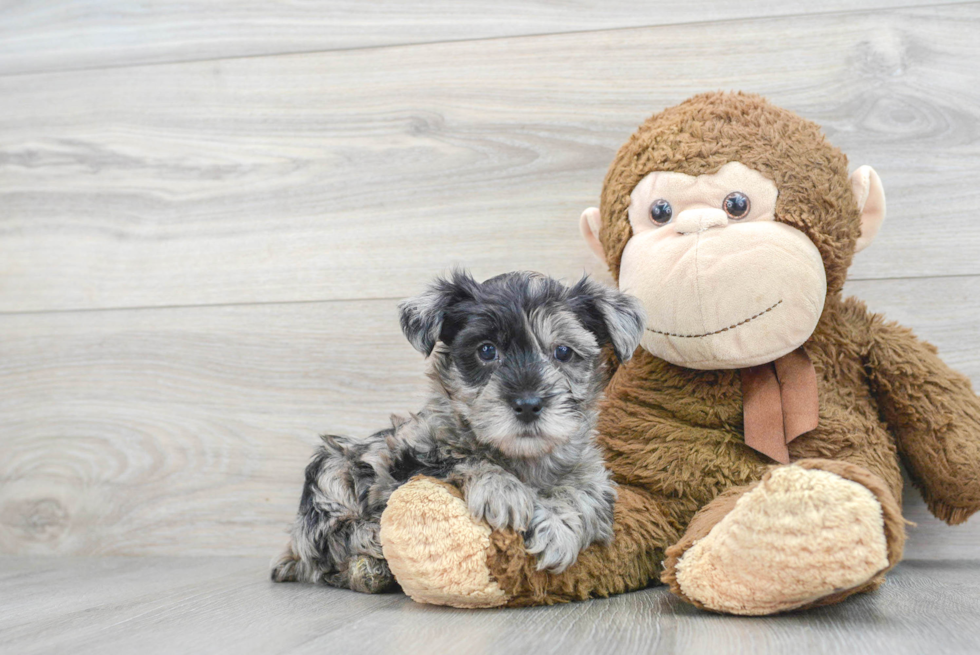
x=757 y=432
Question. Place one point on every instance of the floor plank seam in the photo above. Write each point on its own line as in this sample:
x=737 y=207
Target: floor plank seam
x=363 y=299
x=300 y=53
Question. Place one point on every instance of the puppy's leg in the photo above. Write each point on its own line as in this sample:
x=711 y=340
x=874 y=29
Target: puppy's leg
x=569 y=518
x=494 y=495
x=366 y=574
x=365 y=569
x=285 y=564
x=557 y=530
x=335 y=535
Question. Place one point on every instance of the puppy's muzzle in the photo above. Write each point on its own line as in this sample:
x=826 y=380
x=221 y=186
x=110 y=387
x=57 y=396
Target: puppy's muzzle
x=527 y=408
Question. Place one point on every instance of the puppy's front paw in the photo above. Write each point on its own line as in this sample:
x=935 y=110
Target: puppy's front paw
x=501 y=500
x=554 y=542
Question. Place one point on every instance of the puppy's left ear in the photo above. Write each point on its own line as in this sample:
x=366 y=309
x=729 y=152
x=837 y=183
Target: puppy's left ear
x=423 y=318
x=613 y=317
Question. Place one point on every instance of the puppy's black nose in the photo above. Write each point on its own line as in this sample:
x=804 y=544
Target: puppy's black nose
x=527 y=408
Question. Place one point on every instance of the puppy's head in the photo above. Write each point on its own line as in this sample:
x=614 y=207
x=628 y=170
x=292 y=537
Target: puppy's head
x=519 y=355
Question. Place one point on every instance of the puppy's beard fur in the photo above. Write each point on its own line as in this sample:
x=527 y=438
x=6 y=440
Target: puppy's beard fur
x=493 y=423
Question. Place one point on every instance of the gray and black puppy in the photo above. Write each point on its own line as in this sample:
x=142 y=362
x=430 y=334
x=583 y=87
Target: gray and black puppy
x=516 y=369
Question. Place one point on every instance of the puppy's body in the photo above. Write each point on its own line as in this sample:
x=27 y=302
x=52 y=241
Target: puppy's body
x=516 y=371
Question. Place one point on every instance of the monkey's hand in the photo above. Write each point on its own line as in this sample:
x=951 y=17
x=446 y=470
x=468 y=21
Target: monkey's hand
x=441 y=555
x=498 y=497
x=934 y=414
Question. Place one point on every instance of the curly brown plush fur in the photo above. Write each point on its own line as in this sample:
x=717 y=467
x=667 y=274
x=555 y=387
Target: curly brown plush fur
x=673 y=436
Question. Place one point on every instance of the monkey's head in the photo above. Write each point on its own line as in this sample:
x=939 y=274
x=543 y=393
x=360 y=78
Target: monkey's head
x=732 y=221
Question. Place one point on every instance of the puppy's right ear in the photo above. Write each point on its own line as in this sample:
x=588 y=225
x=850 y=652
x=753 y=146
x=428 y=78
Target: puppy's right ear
x=423 y=318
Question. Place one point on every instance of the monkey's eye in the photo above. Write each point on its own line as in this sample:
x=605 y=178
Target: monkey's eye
x=736 y=204
x=487 y=352
x=660 y=212
x=563 y=353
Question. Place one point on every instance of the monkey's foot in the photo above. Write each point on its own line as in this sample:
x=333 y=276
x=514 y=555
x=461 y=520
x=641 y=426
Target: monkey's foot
x=801 y=537
x=436 y=549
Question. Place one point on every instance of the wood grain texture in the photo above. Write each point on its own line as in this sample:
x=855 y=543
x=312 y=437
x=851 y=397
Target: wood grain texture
x=359 y=174
x=185 y=430
x=166 y=605
x=73 y=34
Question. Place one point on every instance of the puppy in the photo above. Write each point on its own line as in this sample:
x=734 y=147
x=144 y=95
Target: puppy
x=517 y=371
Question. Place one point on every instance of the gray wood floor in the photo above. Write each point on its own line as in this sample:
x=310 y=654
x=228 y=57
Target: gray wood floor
x=200 y=260
x=209 y=210
x=168 y=605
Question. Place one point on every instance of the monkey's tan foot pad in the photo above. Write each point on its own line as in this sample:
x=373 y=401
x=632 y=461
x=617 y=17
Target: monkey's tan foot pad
x=436 y=549
x=799 y=536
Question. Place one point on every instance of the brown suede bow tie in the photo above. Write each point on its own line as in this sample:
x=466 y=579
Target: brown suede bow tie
x=779 y=403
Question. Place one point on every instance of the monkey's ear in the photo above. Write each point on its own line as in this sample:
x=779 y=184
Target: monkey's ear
x=589 y=225
x=424 y=319
x=613 y=317
x=870 y=197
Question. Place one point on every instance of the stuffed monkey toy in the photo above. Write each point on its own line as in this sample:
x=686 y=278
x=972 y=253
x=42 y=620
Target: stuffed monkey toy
x=756 y=434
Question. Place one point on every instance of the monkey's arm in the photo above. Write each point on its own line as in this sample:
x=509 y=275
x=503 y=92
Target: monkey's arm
x=934 y=414
x=440 y=554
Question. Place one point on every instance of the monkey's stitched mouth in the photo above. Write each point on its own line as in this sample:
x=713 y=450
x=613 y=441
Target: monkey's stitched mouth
x=708 y=334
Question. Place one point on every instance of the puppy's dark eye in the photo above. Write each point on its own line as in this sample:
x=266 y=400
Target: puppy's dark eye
x=736 y=204
x=661 y=211
x=563 y=353
x=487 y=352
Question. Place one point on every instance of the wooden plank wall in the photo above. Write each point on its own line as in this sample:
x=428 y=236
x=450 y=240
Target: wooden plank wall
x=209 y=211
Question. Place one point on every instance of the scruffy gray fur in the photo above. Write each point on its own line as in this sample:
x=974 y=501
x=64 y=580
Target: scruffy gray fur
x=516 y=370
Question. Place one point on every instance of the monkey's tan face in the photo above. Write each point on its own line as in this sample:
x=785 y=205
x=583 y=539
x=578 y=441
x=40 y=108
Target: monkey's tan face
x=724 y=284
